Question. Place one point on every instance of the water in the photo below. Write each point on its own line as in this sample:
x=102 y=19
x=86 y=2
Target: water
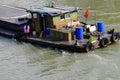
x=23 y=61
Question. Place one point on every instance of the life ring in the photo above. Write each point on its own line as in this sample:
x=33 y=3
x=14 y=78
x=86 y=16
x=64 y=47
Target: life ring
x=89 y=46
x=114 y=37
x=104 y=42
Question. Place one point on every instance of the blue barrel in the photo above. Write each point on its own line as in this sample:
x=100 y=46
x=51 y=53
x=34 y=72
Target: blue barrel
x=79 y=33
x=47 y=31
x=101 y=27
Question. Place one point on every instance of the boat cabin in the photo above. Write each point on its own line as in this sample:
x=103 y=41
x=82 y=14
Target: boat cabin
x=54 y=18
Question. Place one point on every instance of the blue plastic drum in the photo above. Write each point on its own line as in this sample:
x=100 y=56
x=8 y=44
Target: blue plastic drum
x=101 y=27
x=47 y=31
x=79 y=33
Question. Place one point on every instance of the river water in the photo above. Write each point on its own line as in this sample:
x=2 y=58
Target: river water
x=24 y=61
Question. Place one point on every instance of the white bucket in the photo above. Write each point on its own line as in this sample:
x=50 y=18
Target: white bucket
x=34 y=33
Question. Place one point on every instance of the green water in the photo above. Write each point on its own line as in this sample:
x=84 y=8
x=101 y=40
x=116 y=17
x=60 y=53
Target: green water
x=23 y=61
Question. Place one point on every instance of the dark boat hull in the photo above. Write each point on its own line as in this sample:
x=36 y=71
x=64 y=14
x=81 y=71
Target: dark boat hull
x=11 y=26
x=53 y=44
x=64 y=45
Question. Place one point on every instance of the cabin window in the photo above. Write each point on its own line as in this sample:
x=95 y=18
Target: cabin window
x=34 y=15
x=62 y=16
x=67 y=15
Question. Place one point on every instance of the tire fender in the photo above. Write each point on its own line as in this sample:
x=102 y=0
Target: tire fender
x=104 y=42
x=89 y=46
x=114 y=37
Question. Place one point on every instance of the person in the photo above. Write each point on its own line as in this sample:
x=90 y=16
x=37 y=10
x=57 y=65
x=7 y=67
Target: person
x=92 y=39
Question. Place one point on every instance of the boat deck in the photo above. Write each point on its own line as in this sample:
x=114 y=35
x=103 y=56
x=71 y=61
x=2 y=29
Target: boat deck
x=10 y=14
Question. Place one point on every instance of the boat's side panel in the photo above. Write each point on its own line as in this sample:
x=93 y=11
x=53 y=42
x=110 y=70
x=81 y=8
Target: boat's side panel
x=37 y=23
x=11 y=26
x=74 y=16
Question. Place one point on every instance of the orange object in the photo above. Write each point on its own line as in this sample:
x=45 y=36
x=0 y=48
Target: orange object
x=57 y=26
x=75 y=20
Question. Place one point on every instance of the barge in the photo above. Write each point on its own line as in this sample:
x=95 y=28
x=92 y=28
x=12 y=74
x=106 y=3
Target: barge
x=12 y=20
x=59 y=27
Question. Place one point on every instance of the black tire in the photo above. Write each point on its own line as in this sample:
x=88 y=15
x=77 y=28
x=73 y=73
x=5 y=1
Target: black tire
x=119 y=36
x=88 y=47
x=114 y=37
x=104 y=42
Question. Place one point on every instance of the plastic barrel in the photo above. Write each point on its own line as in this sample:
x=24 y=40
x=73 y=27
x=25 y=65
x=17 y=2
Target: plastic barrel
x=101 y=27
x=79 y=33
x=47 y=31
